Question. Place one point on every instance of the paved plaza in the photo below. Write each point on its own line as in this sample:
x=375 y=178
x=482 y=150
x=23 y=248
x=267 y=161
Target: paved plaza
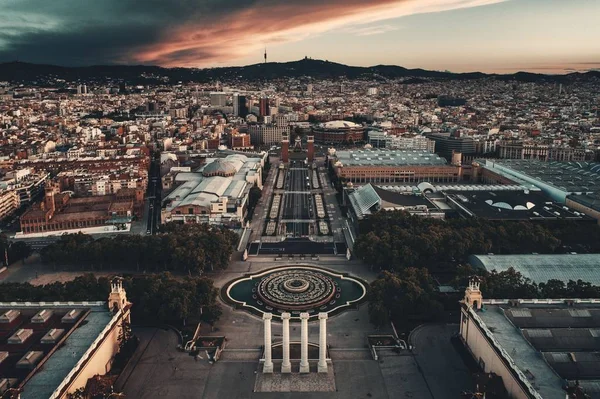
x=433 y=371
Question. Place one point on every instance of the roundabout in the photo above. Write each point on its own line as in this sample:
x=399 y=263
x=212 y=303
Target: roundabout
x=295 y=289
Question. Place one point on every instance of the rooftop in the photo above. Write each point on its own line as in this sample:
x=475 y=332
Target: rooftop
x=369 y=198
x=510 y=205
x=219 y=177
x=389 y=157
x=570 y=177
x=340 y=125
x=548 y=341
x=60 y=355
x=541 y=268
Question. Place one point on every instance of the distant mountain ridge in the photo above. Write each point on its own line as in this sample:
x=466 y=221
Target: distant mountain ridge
x=27 y=72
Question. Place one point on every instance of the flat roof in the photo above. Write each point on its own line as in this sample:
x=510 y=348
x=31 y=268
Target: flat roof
x=571 y=177
x=549 y=341
x=541 y=268
x=92 y=321
x=511 y=205
x=521 y=354
x=389 y=157
x=591 y=201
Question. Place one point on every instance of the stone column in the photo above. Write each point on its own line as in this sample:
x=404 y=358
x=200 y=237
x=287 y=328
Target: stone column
x=286 y=366
x=304 y=367
x=322 y=367
x=268 y=366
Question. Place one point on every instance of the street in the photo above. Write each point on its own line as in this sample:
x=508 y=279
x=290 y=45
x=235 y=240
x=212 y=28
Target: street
x=153 y=197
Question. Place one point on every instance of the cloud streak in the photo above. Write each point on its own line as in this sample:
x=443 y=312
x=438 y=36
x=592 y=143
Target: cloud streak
x=371 y=30
x=186 y=32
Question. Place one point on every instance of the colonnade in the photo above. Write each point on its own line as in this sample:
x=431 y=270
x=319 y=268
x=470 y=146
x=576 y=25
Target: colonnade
x=286 y=365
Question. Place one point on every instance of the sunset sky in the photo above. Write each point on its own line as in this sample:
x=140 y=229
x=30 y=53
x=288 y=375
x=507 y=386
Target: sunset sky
x=504 y=36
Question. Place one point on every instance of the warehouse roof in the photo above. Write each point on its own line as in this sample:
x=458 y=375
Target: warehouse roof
x=572 y=177
x=388 y=157
x=59 y=358
x=546 y=341
x=510 y=205
x=541 y=268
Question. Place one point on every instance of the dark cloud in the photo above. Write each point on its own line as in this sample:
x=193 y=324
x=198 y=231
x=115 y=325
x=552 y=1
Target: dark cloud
x=175 y=32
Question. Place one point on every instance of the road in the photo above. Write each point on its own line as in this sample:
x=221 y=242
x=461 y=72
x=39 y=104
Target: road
x=153 y=196
x=297 y=200
x=439 y=361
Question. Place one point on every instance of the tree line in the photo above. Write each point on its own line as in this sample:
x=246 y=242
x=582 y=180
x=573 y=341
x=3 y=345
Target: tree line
x=190 y=248
x=409 y=297
x=397 y=240
x=511 y=284
x=157 y=298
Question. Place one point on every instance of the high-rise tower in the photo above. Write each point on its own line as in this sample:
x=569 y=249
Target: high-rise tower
x=265 y=55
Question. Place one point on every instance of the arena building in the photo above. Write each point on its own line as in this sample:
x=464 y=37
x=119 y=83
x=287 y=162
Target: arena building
x=392 y=166
x=217 y=193
x=51 y=349
x=339 y=132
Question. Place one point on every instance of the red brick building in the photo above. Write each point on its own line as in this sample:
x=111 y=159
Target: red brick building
x=240 y=142
x=339 y=132
x=59 y=212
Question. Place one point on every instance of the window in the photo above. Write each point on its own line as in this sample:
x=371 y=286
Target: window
x=482 y=364
x=190 y=211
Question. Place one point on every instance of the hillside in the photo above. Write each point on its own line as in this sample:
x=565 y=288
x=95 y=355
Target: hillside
x=319 y=69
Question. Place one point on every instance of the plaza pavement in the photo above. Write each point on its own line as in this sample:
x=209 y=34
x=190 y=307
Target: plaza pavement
x=435 y=371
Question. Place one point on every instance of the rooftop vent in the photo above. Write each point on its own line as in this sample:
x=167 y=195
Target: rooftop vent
x=20 y=336
x=539 y=333
x=520 y=312
x=30 y=360
x=9 y=316
x=3 y=385
x=52 y=336
x=71 y=317
x=42 y=316
x=580 y=313
x=595 y=332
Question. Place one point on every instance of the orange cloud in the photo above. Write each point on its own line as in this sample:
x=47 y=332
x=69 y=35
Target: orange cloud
x=207 y=40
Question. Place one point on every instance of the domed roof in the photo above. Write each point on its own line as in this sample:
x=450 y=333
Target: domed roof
x=340 y=125
x=426 y=186
x=219 y=167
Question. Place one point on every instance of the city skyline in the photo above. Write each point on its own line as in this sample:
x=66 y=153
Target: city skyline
x=492 y=36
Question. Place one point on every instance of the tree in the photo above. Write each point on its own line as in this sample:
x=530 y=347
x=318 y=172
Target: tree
x=19 y=251
x=125 y=335
x=157 y=299
x=406 y=297
x=185 y=248
x=78 y=394
x=253 y=198
x=397 y=240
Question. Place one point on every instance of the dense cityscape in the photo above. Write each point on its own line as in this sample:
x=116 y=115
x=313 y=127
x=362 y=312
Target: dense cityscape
x=302 y=229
